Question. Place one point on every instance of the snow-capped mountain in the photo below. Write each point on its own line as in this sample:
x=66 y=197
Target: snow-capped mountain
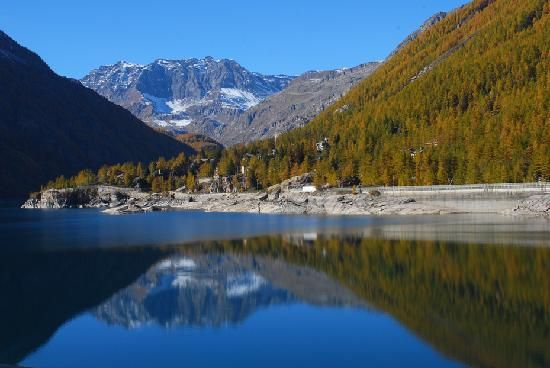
x=175 y=93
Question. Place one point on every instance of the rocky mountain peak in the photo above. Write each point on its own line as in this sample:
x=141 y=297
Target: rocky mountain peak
x=174 y=93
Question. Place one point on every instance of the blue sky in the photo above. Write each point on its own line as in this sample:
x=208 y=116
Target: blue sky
x=267 y=36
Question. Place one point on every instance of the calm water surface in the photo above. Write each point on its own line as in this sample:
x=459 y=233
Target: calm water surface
x=84 y=289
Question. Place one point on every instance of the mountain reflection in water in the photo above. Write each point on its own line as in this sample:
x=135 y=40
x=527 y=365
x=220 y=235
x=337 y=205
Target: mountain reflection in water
x=482 y=305
x=215 y=289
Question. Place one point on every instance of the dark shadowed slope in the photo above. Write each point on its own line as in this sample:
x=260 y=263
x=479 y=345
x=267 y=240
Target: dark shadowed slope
x=51 y=125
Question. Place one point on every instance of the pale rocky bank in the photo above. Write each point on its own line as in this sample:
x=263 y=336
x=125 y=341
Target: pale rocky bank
x=281 y=200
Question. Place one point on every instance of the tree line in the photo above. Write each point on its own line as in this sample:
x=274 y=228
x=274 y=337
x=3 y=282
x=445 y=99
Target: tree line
x=162 y=175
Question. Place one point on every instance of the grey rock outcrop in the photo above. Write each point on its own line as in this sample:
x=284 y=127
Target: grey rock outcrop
x=289 y=198
x=83 y=197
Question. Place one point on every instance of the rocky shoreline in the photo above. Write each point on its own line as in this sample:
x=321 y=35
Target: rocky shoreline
x=277 y=200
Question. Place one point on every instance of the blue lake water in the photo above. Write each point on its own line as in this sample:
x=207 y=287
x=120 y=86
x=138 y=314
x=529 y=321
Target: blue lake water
x=84 y=289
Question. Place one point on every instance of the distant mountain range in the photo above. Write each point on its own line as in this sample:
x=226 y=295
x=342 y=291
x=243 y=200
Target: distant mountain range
x=223 y=100
x=51 y=125
x=185 y=95
x=220 y=98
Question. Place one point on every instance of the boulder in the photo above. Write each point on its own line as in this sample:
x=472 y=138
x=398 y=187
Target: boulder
x=274 y=192
x=297 y=182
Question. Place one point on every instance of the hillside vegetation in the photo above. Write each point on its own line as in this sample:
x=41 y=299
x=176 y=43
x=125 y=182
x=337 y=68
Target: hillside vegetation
x=467 y=101
x=160 y=175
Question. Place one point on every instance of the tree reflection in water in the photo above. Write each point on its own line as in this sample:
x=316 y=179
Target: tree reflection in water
x=485 y=305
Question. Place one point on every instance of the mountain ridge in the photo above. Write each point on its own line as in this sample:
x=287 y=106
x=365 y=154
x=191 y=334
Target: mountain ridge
x=174 y=94
x=220 y=98
x=299 y=102
x=52 y=125
x=236 y=115
x=303 y=99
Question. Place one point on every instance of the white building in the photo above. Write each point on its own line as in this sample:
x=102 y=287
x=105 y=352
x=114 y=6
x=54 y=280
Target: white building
x=309 y=189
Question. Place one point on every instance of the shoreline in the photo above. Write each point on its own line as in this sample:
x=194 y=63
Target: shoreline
x=276 y=200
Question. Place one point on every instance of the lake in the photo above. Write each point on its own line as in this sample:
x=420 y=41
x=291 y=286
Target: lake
x=170 y=289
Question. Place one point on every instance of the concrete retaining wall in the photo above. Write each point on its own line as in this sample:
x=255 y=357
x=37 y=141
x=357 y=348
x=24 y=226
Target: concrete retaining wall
x=488 y=190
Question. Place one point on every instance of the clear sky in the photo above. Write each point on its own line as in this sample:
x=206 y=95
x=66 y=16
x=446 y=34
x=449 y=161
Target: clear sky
x=267 y=36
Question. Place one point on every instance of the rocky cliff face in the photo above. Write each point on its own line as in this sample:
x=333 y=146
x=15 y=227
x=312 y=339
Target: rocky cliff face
x=82 y=197
x=197 y=95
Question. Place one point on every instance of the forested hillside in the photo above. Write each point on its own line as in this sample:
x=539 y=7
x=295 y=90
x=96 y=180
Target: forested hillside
x=467 y=101
x=50 y=125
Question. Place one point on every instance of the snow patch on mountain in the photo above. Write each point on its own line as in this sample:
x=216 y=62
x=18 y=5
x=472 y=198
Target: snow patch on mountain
x=172 y=114
x=233 y=97
x=173 y=123
x=124 y=64
x=179 y=106
x=181 y=122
